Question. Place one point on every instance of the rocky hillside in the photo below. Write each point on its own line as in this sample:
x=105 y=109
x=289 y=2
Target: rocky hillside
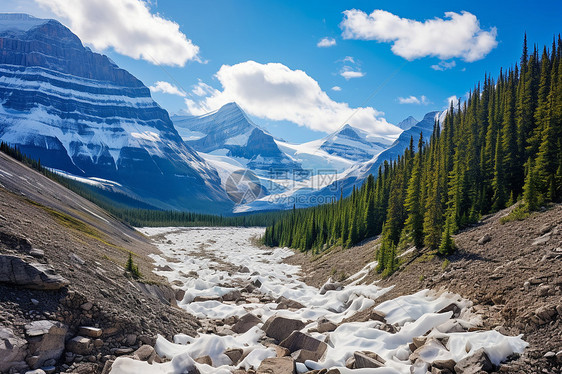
x=67 y=304
x=511 y=271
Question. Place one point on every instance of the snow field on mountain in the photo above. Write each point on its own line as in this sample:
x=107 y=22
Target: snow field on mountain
x=210 y=262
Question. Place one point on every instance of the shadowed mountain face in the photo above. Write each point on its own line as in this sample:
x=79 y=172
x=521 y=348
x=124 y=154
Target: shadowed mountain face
x=79 y=112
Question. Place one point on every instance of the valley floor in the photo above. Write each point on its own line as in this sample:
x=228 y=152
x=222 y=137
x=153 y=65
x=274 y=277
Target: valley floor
x=233 y=286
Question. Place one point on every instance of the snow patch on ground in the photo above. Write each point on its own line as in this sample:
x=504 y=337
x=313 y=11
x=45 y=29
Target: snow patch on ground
x=205 y=262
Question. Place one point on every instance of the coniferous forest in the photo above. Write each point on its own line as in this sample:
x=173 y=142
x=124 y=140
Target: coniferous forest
x=501 y=146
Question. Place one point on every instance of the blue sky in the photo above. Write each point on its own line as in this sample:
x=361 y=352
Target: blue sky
x=281 y=38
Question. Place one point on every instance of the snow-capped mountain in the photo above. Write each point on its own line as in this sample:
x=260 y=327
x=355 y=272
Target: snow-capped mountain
x=356 y=175
x=80 y=113
x=407 y=123
x=354 y=144
x=229 y=132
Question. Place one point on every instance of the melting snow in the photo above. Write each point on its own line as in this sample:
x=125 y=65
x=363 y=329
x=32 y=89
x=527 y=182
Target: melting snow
x=205 y=262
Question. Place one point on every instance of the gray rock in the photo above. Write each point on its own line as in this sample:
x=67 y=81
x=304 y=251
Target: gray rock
x=300 y=341
x=484 y=239
x=179 y=295
x=38 y=253
x=325 y=325
x=235 y=354
x=206 y=360
x=122 y=351
x=79 y=345
x=336 y=286
x=144 y=352
x=451 y=308
x=91 y=332
x=107 y=366
x=377 y=316
x=245 y=323
x=14 y=270
x=232 y=295
x=12 y=350
x=280 y=327
x=243 y=269
x=278 y=365
x=474 y=364
x=542 y=239
x=36 y=371
x=368 y=360
x=284 y=303
x=46 y=341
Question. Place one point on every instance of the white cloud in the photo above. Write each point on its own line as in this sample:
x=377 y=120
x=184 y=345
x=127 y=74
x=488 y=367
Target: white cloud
x=456 y=35
x=336 y=88
x=349 y=59
x=444 y=65
x=166 y=87
x=326 y=42
x=422 y=100
x=452 y=100
x=275 y=92
x=128 y=26
x=348 y=73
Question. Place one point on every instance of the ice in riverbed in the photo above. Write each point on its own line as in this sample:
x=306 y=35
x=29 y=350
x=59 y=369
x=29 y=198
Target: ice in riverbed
x=210 y=262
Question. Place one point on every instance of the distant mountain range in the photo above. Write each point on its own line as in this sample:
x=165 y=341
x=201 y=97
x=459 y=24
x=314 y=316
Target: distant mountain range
x=82 y=115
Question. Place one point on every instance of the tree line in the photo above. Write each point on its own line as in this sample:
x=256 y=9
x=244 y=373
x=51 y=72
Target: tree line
x=501 y=146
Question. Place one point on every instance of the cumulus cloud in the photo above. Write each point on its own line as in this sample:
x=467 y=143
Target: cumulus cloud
x=336 y=88
x=452 y=100
x=127 y=26
x=455 y=35
x=275 y=92
x=444 y=65
x=349 y=73
x=326 y=42
x=167 y=88
x=422 y=100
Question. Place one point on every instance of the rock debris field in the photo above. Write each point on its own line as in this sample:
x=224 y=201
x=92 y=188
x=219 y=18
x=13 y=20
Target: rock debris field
x=258 y=315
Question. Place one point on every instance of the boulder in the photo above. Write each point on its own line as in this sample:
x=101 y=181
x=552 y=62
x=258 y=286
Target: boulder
x=15 y=270
x=474 y=364
x=336 y=286
x=12 y=350
x=284 y=303
x=451 y=308
x=368 y=360
x=179 y=294
x=377 y=316
x=280 y=327
x=205 y=360
x=144 y=352
x=79 y=345
x=245 y=323
x=243 y=269
x=278 y=365
x=444 y=365
x=91 y=332
x=325 y=325
x=46 y=341
x=232 y=295
x=484 y=239
x=300 y=341
x=235 y=354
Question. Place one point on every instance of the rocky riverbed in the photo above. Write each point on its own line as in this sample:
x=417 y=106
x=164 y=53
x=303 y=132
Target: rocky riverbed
x=257 y=315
